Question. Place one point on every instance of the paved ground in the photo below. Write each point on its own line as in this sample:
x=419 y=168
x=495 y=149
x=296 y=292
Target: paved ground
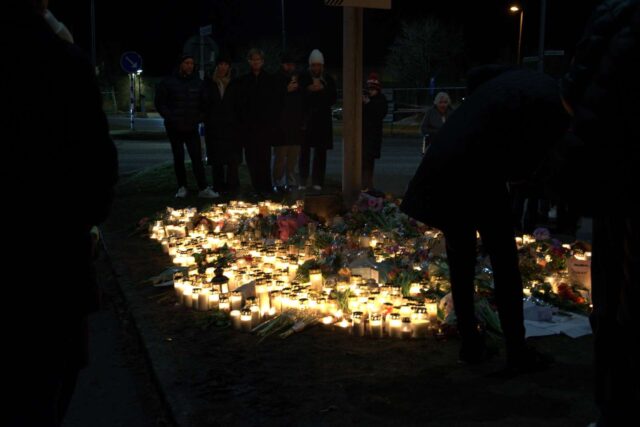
x=400 y=158
x=116 y=389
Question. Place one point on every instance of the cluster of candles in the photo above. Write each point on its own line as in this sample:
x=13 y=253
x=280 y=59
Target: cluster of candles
x=261 y=282
x=580 y=264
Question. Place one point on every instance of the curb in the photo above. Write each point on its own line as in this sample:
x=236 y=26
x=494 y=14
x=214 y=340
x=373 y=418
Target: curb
x=119 y=276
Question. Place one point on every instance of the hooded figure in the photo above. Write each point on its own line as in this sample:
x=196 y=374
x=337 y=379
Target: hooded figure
x=500 y=133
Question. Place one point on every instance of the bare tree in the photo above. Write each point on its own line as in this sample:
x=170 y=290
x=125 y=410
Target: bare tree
x=424 y=49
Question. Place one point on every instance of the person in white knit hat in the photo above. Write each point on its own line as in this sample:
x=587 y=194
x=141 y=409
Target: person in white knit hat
x=320 y=89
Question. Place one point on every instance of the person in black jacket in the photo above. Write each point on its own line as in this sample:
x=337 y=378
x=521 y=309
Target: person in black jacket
x=291 y=129
x=179 y=101
x=69 y=150
x=374 y=111
x=223 y=152
x=257 y=115
x=500 y=133
x=321 y=94
x=601 y=90
x=436 y=115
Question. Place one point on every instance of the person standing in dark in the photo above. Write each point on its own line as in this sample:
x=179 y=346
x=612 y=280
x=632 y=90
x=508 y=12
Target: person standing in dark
x=601 y=90
x=223 y=153
x=291 y=130
x=500 y=133
x=68 y=148
x=180 y=103
x=437 y=115
x=321 y=94
x=374 y=110
x=257 y=115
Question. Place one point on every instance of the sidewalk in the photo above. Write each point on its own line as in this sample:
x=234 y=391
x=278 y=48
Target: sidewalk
x=116 y=389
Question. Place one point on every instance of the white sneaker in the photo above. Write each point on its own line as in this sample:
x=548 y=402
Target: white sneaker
x=182 y=193
x=317 y=187
x=208 y=193
x=302 y=187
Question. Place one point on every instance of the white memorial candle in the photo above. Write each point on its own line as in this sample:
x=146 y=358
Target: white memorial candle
x=235 y=319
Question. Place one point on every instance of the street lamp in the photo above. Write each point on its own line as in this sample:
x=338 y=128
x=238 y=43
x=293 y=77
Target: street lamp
x=515 y=9
x=140 y=95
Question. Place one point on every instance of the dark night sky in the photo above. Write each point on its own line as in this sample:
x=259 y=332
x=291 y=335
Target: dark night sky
x=158 y=29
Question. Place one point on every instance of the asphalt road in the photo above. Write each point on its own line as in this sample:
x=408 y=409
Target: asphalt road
x=400 y=158
x=400 y=155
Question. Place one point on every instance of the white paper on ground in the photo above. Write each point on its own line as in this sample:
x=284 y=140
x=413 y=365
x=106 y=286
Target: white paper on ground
x=572 y=325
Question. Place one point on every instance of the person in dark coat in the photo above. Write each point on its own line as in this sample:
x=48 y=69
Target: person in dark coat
x=374 y=111
x=437 y=115
x=69 y=151
x=321 y=93
x=291 y=130
x=179 y=100
x=500 y=133
x=223 y=153
x=602 y=90
x=257 y=115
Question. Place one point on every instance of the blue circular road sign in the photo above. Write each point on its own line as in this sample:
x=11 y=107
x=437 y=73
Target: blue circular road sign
x=131 y=62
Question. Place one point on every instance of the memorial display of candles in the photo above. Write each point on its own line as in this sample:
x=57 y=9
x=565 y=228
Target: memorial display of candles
x=372 y=273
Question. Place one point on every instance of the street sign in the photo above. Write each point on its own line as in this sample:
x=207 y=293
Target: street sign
x=131 y=62
x=206 y=30
x=368 y=4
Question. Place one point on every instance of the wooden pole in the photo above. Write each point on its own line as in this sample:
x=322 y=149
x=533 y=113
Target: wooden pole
x=352 y=104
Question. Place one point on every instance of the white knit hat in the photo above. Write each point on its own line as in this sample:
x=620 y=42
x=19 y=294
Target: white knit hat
x=316 y=57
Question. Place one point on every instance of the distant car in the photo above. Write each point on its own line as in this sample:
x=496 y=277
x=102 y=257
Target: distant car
x=336 y=113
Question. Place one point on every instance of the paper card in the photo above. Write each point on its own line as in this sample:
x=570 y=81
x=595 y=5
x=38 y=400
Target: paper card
x=580 y=272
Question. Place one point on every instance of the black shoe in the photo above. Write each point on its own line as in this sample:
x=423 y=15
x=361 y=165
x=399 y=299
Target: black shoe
x=475 y=351
x=525 y=361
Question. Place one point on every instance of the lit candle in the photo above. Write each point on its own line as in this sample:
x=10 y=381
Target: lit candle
x=343 y=325
x=358 y=323
x=236 y=322
x=415 y=289
x=262 y=295
x=432 y=310
x=293 y=271
x=236 y=300
x=315 y=277
x=405 y=311
x=255 y=315
x=276 y=301
x=246 y=320
x=194 y=297
x=375 y=325
x=187 y=296
x=203 y=299
x=328 y=320
x=224 y=304
x=406 y=328
x=214 y=300
x=395 y=325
